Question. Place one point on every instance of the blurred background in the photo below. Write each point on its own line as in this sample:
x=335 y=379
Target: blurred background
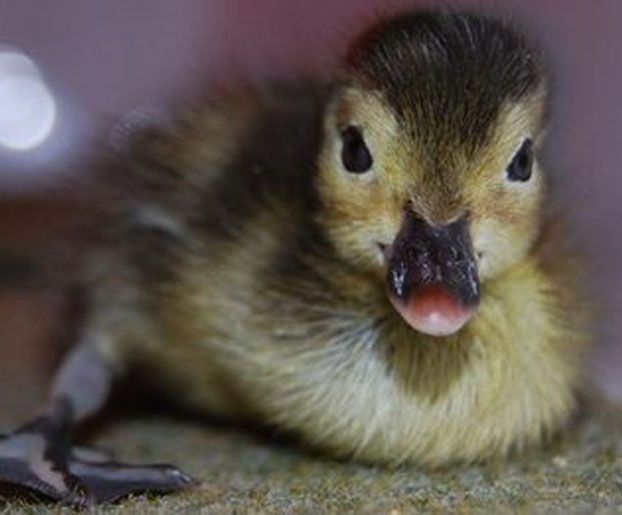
x=69 y=69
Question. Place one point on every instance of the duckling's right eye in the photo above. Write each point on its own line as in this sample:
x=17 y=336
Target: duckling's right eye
x=355 y=155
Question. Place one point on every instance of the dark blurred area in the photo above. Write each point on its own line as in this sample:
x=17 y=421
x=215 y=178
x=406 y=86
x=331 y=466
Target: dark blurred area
x=69 y=69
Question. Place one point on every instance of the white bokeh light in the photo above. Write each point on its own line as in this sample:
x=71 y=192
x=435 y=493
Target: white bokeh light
x=27 y=108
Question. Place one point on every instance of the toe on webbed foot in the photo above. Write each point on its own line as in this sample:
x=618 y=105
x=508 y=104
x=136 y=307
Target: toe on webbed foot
x=109 y=480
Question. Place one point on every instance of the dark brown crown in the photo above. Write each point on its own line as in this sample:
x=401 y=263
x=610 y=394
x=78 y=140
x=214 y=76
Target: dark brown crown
x=449 y=73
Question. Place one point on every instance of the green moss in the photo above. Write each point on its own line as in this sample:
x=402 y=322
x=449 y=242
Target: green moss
x=580 y=472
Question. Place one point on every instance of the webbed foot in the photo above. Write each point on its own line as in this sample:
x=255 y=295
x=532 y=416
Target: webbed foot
x=39 y=457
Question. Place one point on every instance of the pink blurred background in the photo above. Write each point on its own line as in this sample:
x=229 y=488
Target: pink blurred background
x=101 y=60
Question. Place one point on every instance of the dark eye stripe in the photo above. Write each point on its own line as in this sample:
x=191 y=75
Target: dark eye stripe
x=519 y=169
x=355 y=155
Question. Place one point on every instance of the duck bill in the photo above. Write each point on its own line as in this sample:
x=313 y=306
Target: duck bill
x=432 y=276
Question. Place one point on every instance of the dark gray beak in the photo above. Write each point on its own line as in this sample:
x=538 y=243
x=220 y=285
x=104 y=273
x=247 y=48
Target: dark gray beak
x=423 y=255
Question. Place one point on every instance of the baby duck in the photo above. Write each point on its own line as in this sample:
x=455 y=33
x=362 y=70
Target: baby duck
x=366 y=264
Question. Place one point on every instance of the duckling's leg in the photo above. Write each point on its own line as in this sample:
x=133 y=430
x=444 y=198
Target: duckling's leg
x=39 y=455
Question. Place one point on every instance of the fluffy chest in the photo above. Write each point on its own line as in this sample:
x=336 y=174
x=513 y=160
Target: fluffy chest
x=362 y=383
x=379 y=392
x=362 y=394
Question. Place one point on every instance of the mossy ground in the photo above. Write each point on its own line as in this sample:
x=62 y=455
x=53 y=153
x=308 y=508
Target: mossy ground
x=580 y=472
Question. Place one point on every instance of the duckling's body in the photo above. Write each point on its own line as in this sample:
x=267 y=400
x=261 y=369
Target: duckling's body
x=247 y=271
x=256 y=316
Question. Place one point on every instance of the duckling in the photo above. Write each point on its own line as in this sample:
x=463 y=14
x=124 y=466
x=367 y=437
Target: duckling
x=366 y=263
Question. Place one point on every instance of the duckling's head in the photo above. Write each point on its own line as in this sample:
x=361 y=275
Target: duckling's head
x=428 y=171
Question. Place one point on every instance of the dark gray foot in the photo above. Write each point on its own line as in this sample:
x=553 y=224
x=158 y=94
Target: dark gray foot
x=39 y=457
x=110 y=480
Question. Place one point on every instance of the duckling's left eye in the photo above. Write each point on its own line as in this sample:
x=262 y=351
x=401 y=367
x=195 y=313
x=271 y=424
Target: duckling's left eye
x=520 y=167
x=355 y=155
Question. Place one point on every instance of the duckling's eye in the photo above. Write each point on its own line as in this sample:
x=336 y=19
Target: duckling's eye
x=355 y=155
x=520 y=167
